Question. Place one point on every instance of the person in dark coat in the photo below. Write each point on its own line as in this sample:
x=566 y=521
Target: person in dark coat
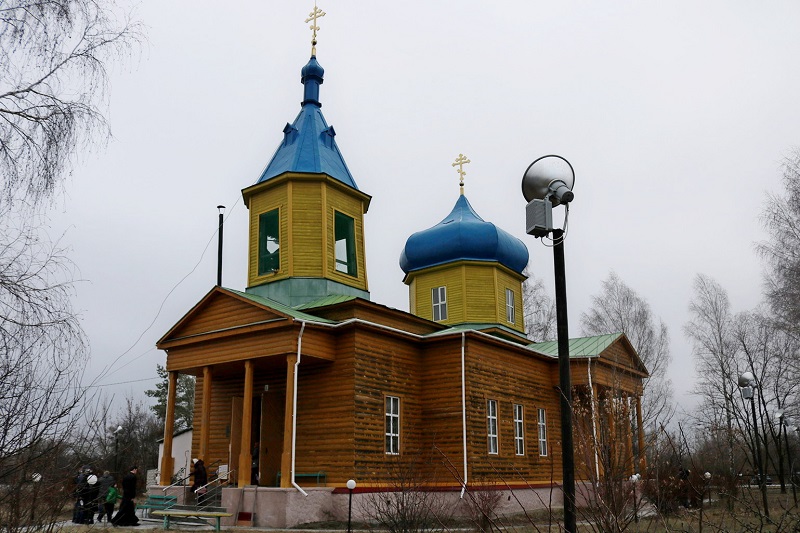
x=126 y=516
x=89 y=499
x=103 y=485
x=80 y=487
x=200 y=480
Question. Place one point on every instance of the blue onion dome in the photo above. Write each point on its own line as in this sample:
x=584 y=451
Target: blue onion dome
x=463 y=236
x=311 y=78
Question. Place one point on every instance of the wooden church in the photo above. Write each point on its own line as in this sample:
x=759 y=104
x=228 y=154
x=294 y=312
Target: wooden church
x=304 y=382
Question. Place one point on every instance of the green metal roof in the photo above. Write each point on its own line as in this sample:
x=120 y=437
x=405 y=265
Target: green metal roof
x=328 y=300
x=580 y=347
x=281 y=308
x=474 y=326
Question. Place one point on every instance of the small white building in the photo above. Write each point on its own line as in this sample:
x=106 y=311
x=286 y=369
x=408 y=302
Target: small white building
x=181 y=454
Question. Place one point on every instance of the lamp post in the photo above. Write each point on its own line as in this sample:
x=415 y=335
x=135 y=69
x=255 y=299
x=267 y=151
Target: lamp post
x=547 y=183
x=783 y=421
x=36 y=478
x=747 y=382
x=116 y=449
x=351 y=484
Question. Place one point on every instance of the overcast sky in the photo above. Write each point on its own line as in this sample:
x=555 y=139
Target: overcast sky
x=675 y=115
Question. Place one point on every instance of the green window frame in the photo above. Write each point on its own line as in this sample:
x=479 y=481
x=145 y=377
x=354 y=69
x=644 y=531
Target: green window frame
x=269 y=248
x=344 y=229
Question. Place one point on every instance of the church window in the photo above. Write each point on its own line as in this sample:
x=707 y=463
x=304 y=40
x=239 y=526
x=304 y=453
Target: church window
x=439 y=298
x=491 y=424
x=542 y=433
x=345 y=243
x=392 y=425
x=269 y=248
x=519 y=430
x=510 y=305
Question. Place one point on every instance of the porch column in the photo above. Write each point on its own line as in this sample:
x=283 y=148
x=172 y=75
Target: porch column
x=205 y=415
x=169 y=428
x=286 y=458
x=640 y=434
x=247 y=420
x=630 y=459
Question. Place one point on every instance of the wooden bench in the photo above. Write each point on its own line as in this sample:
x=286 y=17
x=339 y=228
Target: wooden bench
x=158 y=502
x=186 y=513
x=319 y=476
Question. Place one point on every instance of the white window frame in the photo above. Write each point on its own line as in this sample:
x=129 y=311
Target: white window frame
x=392 y=425
x=510 y=311
x=519 y=429
x=542 y=433
x=439 y=303
x=491 y=428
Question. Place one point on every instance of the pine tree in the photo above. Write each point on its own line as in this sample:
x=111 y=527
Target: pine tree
x=184 y=398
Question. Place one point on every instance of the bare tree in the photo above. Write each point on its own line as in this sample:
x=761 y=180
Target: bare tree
x=53 y=57
x=540 y=310
x=711 y=330
x=53 y=81
x=42 y=346
x=618 y=308
x=781 y=217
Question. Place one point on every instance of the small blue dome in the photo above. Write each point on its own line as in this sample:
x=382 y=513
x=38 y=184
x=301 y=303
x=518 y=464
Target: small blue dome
x=463 y=235
x=312 y=68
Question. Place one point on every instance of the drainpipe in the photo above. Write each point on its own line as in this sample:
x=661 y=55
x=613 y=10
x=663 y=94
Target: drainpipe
x=463 y=412
x=294 y=405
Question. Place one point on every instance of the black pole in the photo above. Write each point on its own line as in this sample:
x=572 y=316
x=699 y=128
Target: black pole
x=791 y=466
x=219 y=247
x=762 y=480
x=565 y=382
x=349 y=511
x=116 y=452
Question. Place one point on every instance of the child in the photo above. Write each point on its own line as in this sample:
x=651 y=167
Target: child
x=111 y=499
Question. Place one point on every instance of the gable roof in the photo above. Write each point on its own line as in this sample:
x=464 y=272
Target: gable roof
x=261 y=309
x=580 y=347
x=591 y=347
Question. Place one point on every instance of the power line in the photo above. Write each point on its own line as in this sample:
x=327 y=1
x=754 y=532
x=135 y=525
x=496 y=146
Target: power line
x=107 y=371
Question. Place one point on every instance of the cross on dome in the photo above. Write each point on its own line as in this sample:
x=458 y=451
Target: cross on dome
x=461 y=160
x=314 y=15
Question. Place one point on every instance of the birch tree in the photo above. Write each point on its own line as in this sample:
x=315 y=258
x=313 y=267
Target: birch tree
x=618 y=308
x=781 y=251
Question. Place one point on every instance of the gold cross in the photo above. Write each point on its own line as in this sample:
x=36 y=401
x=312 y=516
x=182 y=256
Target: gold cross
x=314 y=15
x=460 y=162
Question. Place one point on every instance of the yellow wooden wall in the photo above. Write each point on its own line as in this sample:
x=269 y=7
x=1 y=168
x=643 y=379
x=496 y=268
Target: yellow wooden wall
x=306 y=215
x=475 y=293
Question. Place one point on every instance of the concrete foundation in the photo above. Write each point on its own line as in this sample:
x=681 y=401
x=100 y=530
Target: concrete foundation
x=285 y=508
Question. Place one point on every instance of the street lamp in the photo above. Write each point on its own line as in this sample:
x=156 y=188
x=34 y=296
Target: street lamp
x=116 y=449
x=783 y=423
x=547 y=183
x=747 y=382
x=351 y=484
x=36 y=478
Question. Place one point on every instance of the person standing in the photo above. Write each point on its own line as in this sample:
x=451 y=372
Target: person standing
x=200 y=480
x=89 y=499
x=126 y=515
x=104 y=484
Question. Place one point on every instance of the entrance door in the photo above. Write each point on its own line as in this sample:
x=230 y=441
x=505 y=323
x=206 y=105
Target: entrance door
x=272 y=417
